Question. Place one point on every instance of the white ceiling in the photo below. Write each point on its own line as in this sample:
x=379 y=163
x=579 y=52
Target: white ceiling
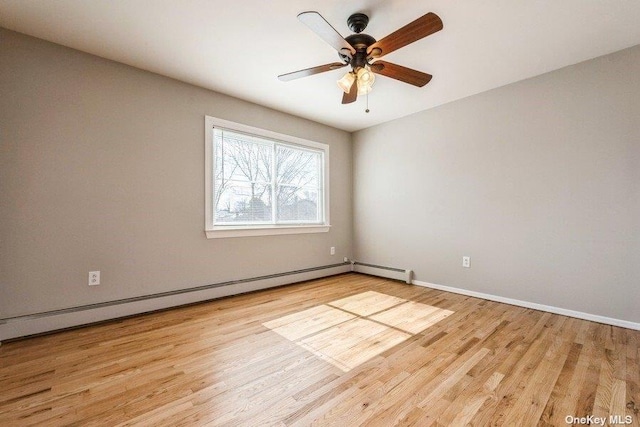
x=238 y=48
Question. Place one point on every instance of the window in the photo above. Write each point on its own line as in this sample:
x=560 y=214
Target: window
x=260 y=182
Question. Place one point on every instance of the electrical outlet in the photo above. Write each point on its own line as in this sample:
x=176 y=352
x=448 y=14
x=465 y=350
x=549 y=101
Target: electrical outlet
x=332 y=251
x=94 y=278
x=466 y=262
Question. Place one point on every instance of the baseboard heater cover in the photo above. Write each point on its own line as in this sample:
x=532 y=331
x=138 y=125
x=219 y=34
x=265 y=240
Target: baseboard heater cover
x=37 y=323
x=382 y=271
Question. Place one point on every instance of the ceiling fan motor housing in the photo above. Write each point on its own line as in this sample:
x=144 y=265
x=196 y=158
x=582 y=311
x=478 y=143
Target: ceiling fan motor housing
x=357 y=22
x=360 y=41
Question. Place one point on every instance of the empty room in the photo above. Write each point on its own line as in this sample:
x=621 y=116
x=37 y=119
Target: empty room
x=293 y=213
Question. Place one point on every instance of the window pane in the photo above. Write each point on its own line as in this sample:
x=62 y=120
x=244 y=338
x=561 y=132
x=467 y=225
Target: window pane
x=242 y=202
x=300 y=168
x=298 y=204
x=242 y=158
x=243 y=188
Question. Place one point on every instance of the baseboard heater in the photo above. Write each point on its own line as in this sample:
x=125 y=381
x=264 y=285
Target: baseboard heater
x=382 y=271
x=38 y=323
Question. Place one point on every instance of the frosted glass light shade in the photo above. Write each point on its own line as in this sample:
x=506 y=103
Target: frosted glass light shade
x=365 y=80
x=346 y=82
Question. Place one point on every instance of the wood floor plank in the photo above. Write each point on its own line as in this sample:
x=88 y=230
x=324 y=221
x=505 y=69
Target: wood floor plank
x=532 y=400
x=632 y=378
x=406 y=356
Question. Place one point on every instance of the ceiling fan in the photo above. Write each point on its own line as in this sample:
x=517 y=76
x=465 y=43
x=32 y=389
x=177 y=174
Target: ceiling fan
x=362 y=52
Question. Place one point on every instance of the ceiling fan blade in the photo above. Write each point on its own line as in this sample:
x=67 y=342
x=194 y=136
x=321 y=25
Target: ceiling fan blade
x=322 y=28
x=398 y=72
x=348 y=98
x=310 y=71
x=421 y=27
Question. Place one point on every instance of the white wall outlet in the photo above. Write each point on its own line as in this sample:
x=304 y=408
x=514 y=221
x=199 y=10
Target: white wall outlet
x=94 y=278
x=332 y=251
x=466 y=262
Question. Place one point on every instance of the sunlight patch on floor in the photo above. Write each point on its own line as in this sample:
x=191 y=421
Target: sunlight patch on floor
x=352 y=343
x=412 y=317
x=349 y=331
x=308 y=322
x=367 y=303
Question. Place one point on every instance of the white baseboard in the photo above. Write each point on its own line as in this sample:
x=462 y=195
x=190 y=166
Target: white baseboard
x=23 y=326
x=551 y=309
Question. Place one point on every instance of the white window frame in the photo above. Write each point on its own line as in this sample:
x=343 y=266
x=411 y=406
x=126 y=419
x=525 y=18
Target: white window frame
x=222 y=231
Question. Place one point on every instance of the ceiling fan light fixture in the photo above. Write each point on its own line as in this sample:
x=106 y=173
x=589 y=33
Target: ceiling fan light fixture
x=365 y=80
x=346 y=82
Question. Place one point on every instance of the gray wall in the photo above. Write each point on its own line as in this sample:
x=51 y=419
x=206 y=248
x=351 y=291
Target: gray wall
x=538 y=182
x=102 y=168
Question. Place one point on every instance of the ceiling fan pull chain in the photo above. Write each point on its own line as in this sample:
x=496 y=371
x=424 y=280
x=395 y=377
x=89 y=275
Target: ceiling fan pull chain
x=367 y=110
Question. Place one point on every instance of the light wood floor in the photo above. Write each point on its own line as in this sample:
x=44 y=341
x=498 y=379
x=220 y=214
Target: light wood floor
x=347 y=350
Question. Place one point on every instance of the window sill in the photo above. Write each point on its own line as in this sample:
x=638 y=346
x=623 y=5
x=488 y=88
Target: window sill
x=269 y=230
